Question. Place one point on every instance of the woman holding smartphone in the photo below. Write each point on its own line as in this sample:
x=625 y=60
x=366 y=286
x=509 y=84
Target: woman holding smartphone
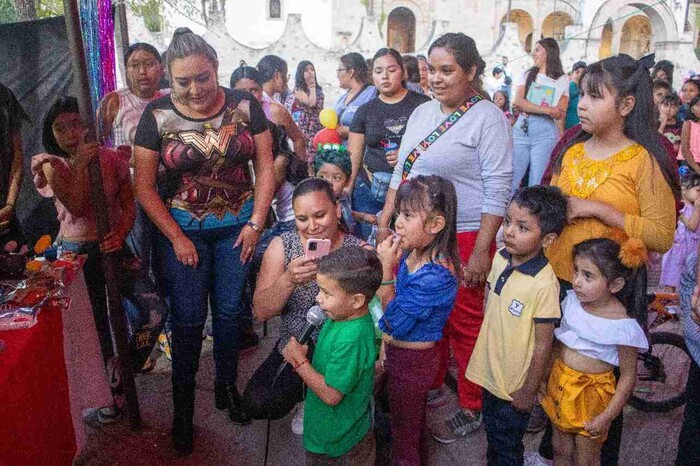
x=287 y=287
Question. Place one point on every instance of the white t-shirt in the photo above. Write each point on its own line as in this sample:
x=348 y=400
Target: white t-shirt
x=545 y=91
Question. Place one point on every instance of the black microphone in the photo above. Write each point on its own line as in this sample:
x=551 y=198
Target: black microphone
x=315 y=317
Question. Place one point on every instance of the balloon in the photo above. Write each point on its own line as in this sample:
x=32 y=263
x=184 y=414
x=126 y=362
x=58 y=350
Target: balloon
x=326 y=136
x=328 y=118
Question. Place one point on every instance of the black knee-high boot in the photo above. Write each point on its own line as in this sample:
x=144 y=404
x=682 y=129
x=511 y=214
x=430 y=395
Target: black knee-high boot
x=226 y=396
x=183 y=429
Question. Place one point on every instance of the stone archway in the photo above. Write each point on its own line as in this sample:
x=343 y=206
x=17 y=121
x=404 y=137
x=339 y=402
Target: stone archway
x=636 y=36
x=401 y=30
x=605 y=48
x=554 y=25
x=661 y=19
x=524 y=21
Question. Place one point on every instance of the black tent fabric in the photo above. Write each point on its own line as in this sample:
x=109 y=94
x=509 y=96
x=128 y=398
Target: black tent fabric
x=35 y=63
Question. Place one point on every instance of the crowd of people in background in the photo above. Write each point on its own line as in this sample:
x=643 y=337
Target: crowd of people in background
x=503 y=221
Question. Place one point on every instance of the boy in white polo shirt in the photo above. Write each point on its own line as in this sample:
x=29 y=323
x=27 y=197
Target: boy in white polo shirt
x=511 y=354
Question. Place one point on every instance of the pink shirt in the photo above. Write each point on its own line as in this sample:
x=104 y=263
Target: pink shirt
x=694 y=141
x=115 y=178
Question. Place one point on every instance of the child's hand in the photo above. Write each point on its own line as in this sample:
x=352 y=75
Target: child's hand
x=294 y=352
x=382 y=355
x=542 y=390
x=597 y=426
x=523 y=399
x=694 y=303
x=389 y=252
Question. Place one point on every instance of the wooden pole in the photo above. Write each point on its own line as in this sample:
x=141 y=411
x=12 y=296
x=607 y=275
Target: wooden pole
x=121 y=36
x=99 y=206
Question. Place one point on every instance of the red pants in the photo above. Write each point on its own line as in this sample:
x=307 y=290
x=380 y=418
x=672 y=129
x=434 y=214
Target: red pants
x=462 y=330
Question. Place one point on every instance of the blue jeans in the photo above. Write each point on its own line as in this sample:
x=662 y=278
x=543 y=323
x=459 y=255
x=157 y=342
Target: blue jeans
x=505 y=429
x=219 y=278
x=533 y=149
x=363 y=201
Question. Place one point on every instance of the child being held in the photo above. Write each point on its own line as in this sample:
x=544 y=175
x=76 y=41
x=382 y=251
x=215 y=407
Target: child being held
x=513 y=348
x=687 y=235
x=340 y=378
x=596 y=334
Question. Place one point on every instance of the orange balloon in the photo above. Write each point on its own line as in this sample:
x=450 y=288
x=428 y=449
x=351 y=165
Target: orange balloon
x=42 y=245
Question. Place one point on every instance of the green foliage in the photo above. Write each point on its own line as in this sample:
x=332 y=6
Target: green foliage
x=49 y=8
x=8 y=14
x=150 y=11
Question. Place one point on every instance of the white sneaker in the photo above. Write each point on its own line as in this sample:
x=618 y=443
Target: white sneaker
x=533 y=458
x=298 y=420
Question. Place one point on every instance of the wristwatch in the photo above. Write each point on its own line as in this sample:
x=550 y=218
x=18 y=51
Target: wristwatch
x=254 y=226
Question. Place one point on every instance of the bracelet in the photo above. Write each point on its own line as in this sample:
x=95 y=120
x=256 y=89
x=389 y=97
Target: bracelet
x=254 y=226
x=388 y=282
x=297 y=366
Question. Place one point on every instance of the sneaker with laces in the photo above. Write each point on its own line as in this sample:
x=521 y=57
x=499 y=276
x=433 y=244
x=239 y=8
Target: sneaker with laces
x=298 y=420
x=457 y=426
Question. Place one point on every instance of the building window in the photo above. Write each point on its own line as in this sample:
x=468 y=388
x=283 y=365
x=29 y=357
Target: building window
x=275 y=11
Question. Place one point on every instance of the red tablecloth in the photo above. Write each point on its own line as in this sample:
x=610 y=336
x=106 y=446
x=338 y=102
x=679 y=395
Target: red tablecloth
x=49 y=374
x=35 y=418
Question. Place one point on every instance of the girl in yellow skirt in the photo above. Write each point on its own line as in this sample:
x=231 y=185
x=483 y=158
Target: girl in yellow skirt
x=596 y=334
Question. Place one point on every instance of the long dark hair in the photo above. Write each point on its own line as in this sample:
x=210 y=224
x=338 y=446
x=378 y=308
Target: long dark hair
x=355 y=61
x=554 y=67
x=463 y=48
x=269 y=65
x=299 y=81
x=434 y=195
x=410 y=64
x=624 y=76
x=64 y=104
x=605 y=255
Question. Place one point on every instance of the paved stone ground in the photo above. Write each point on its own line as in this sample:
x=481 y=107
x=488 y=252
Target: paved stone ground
x=648 y=439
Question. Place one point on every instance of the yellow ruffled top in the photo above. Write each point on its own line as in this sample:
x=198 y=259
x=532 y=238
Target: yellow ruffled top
x=631 y=182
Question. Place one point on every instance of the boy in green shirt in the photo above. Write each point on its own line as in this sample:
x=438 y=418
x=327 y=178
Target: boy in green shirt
x=337 y=418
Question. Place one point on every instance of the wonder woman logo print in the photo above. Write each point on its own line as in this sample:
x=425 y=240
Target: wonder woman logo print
x=211 y=140
x=212 y=164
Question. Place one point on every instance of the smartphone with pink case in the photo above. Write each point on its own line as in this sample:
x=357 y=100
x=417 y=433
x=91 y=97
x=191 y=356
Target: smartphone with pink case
x=317 y=248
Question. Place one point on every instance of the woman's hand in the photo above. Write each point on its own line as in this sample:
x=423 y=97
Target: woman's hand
x=185 y=251
x=556 y=113
x=112 y=242
x=301 y=270
x=477 y=269
x=247 y=239
x=392 y=157
x=389 y=253
x=382 y=355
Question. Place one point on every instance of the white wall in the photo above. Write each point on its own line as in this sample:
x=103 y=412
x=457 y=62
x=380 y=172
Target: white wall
x=247 y=21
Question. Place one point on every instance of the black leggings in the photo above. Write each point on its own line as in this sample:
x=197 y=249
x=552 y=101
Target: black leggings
x=688 y=443
x=265 y=400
